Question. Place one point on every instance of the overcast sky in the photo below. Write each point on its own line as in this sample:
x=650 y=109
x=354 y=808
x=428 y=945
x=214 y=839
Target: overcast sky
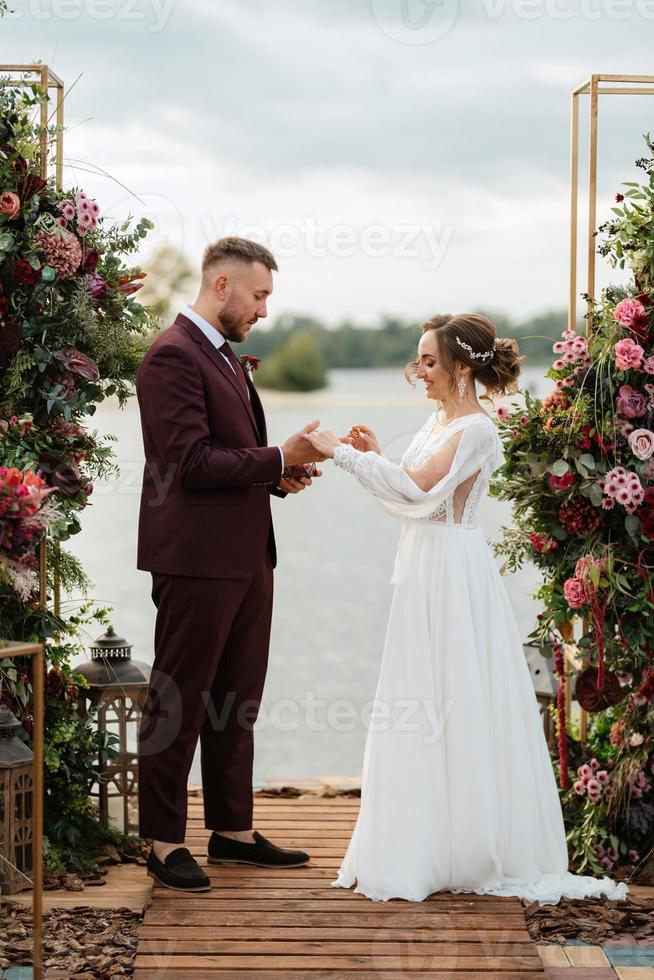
x=398 y=156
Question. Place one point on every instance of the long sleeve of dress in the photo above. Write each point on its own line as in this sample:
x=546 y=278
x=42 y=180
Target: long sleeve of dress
x=399 y=495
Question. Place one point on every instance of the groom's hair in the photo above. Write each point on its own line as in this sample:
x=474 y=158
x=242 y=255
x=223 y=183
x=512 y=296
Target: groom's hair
x=241 y=249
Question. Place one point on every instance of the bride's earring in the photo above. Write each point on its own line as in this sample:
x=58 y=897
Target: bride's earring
x=462 y=386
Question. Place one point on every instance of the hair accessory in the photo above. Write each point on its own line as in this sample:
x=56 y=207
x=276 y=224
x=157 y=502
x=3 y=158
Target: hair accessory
x=481 y=353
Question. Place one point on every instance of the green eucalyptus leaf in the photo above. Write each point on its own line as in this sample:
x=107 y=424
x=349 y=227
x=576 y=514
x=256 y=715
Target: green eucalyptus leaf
x=559 y=467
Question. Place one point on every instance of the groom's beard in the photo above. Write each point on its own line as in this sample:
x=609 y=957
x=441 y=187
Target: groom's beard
x=234 y=327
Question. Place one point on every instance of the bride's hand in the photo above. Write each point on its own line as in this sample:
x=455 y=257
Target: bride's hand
x=325 y=442
x=363 y=439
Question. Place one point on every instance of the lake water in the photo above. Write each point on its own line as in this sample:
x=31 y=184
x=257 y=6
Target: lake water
x=336 y=547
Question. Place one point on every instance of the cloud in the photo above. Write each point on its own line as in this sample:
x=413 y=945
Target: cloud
x=271 y=116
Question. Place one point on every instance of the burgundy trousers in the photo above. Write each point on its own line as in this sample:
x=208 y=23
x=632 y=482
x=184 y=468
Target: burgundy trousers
x=211 y=653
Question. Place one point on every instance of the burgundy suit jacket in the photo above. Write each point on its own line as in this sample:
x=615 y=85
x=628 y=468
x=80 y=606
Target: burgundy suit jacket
x=205 y=499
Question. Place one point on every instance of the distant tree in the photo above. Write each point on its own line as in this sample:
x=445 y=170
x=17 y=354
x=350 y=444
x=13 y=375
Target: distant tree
x=168 y=283
x=297 y=365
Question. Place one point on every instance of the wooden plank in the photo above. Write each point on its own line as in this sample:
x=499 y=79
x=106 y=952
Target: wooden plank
x=401 y=948
x=339 y=897
x=182 y=973
x=171 y=963
x=233 y=886
x=360 y=902
x=149 y=931
x=194 y=911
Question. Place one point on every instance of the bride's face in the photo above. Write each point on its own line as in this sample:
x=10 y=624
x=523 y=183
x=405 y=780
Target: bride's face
x=430 y=371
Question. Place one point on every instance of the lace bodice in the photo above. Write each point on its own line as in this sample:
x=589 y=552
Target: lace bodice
x=475 y=450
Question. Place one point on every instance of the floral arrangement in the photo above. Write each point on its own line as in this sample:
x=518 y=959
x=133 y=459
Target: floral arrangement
x=579 y=470
x=70 y=331
x=71 y=335
x=25 y=514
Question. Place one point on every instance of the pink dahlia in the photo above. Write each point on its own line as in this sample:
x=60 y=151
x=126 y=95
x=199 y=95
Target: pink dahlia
x=62 y=252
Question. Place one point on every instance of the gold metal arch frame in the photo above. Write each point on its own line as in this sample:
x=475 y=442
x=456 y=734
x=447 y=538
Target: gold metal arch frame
x=594 y=87
x=35 y=650
x=15 y=76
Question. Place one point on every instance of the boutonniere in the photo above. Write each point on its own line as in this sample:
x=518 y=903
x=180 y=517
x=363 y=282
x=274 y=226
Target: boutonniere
x=250 y=363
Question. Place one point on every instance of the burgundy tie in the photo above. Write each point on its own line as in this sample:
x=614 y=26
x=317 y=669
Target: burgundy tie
x=238 y=367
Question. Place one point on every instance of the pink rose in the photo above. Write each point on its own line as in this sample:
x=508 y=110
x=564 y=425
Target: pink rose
x=10 y=204
x=628 y=312
x=574 y=592
x=641 y=443
x=628 y=354
x=648 y=365
x=631 y=403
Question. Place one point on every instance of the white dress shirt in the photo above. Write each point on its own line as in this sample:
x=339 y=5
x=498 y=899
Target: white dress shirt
x=217 y=339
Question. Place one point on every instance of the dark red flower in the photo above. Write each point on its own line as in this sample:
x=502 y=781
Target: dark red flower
x=604 y=444
x=29 y=184
x=78 y=363
x=619 y=198
x=4 y=305
x=25 y=274
x=67 y=479
x=579 y=516
x=249 y=362
x=91 y=259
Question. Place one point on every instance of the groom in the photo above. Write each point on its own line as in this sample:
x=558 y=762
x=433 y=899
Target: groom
x=205 y=534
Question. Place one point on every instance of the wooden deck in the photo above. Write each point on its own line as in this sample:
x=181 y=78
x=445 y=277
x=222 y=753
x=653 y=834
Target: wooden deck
x=263 y=924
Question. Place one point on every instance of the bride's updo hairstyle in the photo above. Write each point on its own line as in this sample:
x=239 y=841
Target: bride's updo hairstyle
x=498 y=373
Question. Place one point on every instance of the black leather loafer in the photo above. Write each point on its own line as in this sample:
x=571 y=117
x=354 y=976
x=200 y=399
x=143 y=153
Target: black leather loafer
x=179 y=871
x=263 y=853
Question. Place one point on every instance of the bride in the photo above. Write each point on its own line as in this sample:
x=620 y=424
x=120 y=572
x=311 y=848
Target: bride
x=458 y=792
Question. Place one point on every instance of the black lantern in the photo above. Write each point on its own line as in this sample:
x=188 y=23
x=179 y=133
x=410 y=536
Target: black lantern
x=118 y=687
x=16 y=807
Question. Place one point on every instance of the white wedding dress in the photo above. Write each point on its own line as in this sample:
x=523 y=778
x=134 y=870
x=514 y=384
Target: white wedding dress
x=458 y=791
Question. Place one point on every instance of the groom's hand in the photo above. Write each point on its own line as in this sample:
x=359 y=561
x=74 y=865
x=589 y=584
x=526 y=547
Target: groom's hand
x=297 y=449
